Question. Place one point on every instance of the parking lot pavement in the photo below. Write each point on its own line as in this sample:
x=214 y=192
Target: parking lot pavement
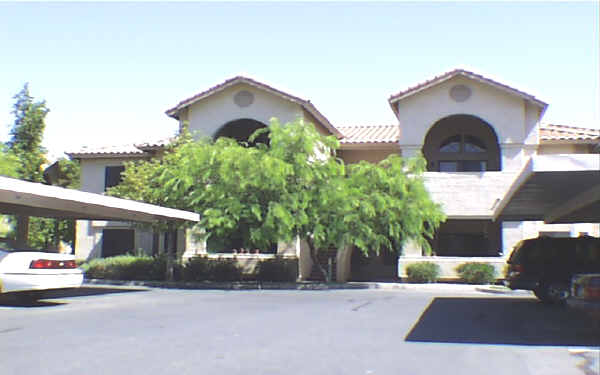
x=164 y=331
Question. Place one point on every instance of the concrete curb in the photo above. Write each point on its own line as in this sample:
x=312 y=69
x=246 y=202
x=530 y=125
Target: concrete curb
x=308 y=285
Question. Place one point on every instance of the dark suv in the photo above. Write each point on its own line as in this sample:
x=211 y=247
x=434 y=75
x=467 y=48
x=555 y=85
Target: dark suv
x=545 y=265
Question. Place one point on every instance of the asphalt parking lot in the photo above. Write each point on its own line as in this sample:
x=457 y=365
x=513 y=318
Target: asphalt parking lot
x=111 y=330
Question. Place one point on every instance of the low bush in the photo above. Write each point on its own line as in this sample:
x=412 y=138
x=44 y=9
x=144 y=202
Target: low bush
x=126 y=267
x=424 y=272
x=278 y=269
x=202 y=268
x=225 y=270
x=476 y=273
x=197 y=269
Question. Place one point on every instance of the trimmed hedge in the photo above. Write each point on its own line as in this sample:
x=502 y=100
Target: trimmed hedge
x=127 y=267
x=278 y=269
x=424 y=272
x=131 y=267
x=476 y=273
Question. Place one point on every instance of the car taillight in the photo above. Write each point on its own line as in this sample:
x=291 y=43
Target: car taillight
x=52 y=264
x=592 y=289
x=515 y=270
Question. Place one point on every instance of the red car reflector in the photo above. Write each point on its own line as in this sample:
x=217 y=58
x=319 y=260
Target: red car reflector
x=52 y=264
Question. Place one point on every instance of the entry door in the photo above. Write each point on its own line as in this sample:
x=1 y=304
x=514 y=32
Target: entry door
x=117 y=242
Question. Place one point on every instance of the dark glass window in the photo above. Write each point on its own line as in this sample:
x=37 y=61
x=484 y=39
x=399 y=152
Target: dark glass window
x=117 y=242
x=473 y=165
x=463 y=165
x=451 y=144
x=448 y=166
x=462 y=244
x=474 y=144
x=112 y=176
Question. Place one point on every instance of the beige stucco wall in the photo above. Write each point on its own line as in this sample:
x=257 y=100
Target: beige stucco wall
x=207 y=116
x=514 y=121
x=564 y=148
x=92 y=172
x=372 y=156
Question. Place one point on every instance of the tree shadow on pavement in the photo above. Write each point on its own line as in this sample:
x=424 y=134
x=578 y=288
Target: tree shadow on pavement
x=503 y=321
x=40 y=298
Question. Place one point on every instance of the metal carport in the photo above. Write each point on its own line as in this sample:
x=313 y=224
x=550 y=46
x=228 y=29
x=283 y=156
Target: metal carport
x=24 y=198
x=555 y=189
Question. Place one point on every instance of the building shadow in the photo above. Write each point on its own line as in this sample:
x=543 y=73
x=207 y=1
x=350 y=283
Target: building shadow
x=43 y=298
x=503 y=321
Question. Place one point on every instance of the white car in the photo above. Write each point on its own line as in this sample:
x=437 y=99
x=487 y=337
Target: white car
x=31 y=271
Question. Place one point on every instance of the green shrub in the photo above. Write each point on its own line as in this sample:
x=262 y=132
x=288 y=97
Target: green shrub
x=424 y=272
x=197 y=269
x=225 y=270
x=202 y=268
x=476 y=273
x=278 y=269
x=128 y=267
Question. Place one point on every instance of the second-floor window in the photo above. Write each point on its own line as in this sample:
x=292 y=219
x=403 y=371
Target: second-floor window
x=461 y=143
x=464 y=153
x=112 y=176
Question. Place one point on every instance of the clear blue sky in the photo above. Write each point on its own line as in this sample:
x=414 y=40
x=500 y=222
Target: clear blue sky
x=108 y=71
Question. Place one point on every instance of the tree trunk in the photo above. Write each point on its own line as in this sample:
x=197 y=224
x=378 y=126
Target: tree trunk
x=315 y=259
x=22 y=232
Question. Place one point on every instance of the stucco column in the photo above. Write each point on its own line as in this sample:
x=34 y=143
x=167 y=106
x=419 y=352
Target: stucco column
x=411 y=249
x=343 y=257
x=409 y=151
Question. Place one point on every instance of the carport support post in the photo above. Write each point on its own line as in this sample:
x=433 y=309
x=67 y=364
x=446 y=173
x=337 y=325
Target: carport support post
x=22 y=231
x=170 y=250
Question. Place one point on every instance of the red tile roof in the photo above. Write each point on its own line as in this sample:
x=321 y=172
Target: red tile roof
x=154 y=145
x=448 y=75
x=306 y=104
x=555 y=132
x=372 y=134
x=106 y=152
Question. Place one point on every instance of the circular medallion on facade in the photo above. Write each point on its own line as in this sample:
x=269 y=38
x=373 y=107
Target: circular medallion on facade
x=460 y=93
x=243 y=98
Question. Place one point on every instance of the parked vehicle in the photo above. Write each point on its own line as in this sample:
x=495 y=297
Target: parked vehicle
x=585 y=293
x=545 y=265
x=26 y=273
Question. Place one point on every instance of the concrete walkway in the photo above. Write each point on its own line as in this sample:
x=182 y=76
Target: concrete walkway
x=253 y=285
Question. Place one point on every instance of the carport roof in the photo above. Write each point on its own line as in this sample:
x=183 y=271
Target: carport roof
x=555 y=189
x=33 y=199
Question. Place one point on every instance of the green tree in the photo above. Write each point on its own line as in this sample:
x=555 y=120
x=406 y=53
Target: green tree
x=9 y=163
x=26 y=145
x=294 y=187
x=27 y=134
x=50 y=232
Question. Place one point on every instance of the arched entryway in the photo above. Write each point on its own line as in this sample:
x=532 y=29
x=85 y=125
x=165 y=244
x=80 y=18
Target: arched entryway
x=242 y=129
x=462 y=143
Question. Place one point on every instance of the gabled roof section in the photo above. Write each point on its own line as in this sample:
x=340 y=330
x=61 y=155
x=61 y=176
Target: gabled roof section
x=86 y=152
x=468 y=74
x=371 y=134
x=567 y=133
x=306 y=104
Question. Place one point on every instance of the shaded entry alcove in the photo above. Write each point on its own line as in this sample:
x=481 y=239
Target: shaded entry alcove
x=242 y=129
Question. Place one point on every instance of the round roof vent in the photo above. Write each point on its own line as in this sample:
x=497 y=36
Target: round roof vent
x=243 y=98
x=460 y=93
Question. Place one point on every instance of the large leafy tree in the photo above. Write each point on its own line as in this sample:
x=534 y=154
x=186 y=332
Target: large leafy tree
x=27 y=134
x=26 y=145
x=295 y=187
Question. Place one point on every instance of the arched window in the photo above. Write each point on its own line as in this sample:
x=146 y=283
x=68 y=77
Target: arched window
x=461 y=143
